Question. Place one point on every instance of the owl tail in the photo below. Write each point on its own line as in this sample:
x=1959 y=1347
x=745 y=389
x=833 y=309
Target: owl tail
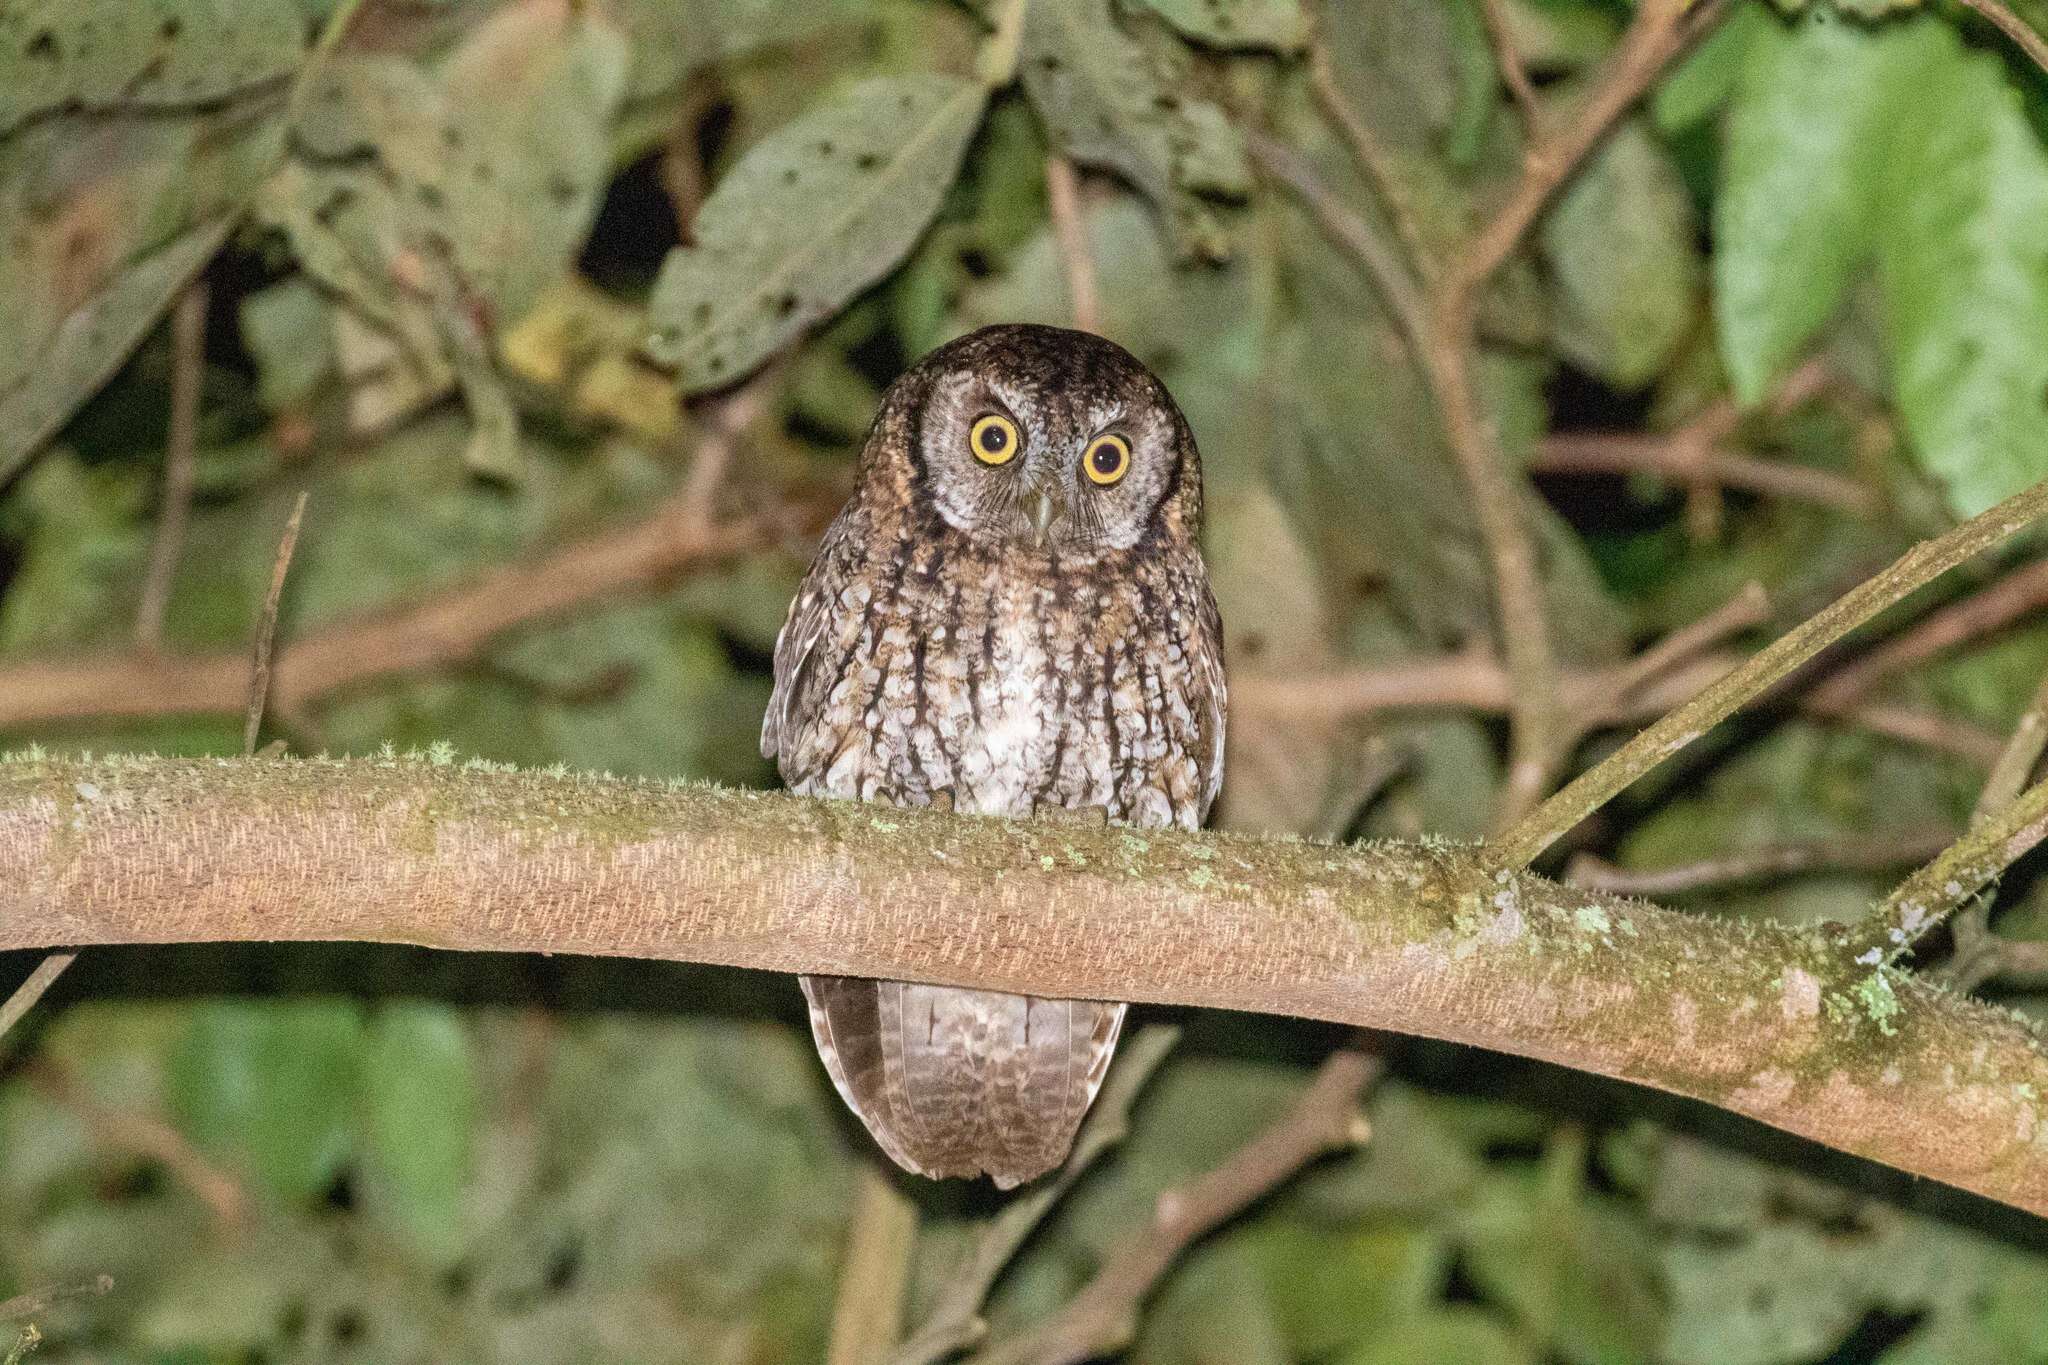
x=957 y=1083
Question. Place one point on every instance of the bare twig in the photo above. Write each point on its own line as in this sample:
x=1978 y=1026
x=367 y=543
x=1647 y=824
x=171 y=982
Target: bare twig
x=1605 y=453
x=1912 y=570
x=1539 y=737
x=188 y=373
x=1374 y=162
x=867 y=1311
x=2015 y=28
x=2012 y=598
x=1963 y=869
x=144 y=1136
x=446 y=628
x=1070 y=231
x=1912 y=725
x=31 y=990
x=2016 y=761
x=1513 y=74
x=1348 y=230
x=266 y=628
x=1865 y=853
x=1104 y=1315
x=1750 y=607
x=955 y=1321
x=40 y=1300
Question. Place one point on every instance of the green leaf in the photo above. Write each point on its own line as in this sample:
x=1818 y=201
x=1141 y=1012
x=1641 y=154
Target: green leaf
x=811 y=215
x=1109 y=100
x=1620 y=248
x=271 y=1087
x=1265 y=25
x=421 y=1101
x=1706 y=77
x=1964 y=263
x=148 y=54
x=1809 y=147
x=1457 y=1332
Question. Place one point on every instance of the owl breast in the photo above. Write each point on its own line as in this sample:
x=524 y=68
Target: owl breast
x=1011 y=692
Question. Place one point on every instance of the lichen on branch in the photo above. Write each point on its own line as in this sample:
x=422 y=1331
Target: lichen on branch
x=1776 y=1023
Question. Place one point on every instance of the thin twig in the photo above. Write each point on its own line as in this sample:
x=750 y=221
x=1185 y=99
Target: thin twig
x=955 y=1322
x=1979 y=954
x=1912 y=725
x=1911 y=571
x=39 y=1300
x=1966 y=867
x=1538 y=726
x=28 y=992
x=2012 y=598
x=1614 y=453
x=448 y=627
x=1348 y=230
x=2016 y=761
x=1375 y=163
x=266 y=628
x=1070 y=231
x=867 y=1311
x=1513 y=74
x=2015 y=28
x=188 y=373
x=152 y=1138
x=1750 y=607
x=1864 y=853
x=1104 y=1315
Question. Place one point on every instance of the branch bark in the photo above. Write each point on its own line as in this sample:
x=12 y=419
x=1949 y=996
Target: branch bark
x=1772 y=1022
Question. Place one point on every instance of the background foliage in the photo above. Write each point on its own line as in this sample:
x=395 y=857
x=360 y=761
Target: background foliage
x=460 y=261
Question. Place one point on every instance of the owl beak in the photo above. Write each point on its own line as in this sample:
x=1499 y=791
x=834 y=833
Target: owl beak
x=1043 y=506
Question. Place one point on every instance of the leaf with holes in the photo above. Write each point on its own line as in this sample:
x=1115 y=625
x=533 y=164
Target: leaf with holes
x=1266 y=25
x=148 y=54
x=812 y=214
x=1109 y=100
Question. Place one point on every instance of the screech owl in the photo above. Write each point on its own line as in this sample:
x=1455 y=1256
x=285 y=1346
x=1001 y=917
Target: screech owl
x=1010 y=614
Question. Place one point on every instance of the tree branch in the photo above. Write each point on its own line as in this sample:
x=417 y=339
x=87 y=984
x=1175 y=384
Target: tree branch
x=441 y=629
x=1959 y=872
x=1861 y=853
x=1773 y=1022
x=1539 y=727
x=1763 y=670
x=1104 y=1316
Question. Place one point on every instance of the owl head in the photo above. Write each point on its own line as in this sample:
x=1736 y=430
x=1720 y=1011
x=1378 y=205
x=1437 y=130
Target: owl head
x=1042 y=440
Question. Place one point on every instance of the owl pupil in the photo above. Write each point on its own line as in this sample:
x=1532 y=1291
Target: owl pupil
x=1106 y=458
x=993 y=439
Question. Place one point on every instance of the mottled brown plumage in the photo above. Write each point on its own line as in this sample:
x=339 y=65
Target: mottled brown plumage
x=1011 y=633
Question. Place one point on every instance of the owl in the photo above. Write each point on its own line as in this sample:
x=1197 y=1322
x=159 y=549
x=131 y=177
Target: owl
x=1009 y=617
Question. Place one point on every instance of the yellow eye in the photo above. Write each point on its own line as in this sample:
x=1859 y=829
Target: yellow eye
x=993 y=439
x=1107 y=459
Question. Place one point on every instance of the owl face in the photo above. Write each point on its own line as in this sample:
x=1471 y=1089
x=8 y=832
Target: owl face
x=1048 y=440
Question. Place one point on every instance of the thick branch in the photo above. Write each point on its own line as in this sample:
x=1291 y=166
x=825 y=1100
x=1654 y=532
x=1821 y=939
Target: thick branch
x=1767 y=1021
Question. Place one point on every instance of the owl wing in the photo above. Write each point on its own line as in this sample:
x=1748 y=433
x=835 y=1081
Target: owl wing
x=799 y=648
x=1214 y=703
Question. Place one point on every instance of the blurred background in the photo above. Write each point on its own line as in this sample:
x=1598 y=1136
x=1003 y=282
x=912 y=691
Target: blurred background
x=569 y=320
